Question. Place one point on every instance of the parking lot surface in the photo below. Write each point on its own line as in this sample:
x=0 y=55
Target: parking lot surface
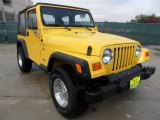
x=27 y=97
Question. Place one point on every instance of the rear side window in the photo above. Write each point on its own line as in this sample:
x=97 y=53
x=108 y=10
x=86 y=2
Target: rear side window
x=32 y=14
x=22 y=26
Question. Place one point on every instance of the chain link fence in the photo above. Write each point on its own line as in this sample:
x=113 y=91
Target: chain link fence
x=2 y=33
x=147 y=34
x=8 y=32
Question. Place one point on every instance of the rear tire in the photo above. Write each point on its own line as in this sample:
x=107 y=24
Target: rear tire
x=25 y=64
x=74 y=107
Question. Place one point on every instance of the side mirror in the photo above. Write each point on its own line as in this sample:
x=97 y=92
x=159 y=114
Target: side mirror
x=30 y=23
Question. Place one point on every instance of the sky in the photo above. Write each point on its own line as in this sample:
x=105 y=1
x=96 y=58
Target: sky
x=112 y=10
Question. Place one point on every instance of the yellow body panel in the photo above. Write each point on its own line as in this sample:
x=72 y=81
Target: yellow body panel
x=76 y=42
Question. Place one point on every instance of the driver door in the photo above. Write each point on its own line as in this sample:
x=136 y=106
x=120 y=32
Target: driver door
x=33 y=38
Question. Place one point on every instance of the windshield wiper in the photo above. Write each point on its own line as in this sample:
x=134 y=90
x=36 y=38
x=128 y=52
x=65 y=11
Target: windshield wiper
x=59 y=26
x=88 y=28
x=63 y=26
x=83 y=26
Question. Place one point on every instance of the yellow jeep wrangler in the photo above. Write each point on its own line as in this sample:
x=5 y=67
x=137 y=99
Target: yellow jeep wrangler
x=85 y=65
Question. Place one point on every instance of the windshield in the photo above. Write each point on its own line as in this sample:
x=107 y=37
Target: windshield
x=52 y=16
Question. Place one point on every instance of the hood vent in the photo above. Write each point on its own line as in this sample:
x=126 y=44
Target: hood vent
x=89 y=50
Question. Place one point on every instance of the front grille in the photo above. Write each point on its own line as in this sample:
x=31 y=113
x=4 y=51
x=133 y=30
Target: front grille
x=123 y=57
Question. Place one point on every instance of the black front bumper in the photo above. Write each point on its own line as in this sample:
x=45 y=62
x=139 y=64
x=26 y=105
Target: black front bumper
x=118 y=83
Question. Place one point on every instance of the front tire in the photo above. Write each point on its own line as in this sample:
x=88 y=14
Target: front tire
x=25 y=64
x=64 y=93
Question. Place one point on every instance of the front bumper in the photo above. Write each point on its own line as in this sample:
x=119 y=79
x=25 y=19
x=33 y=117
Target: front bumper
x=118 y=83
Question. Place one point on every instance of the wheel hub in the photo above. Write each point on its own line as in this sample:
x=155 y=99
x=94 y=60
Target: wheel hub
x=60 y=92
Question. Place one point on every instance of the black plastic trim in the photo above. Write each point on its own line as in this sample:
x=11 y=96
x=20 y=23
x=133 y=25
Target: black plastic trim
x=71 y=60
x=53 y=5
x=148 y=71
x=118 y=83
x=22 y=43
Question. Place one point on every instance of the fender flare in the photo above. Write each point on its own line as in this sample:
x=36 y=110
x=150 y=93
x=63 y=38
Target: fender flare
x=22 y=43
x=71 y=60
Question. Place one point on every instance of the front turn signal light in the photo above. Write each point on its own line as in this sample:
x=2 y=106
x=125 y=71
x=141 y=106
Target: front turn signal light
x=147 y=54
x=79 y=68
x=96 y=66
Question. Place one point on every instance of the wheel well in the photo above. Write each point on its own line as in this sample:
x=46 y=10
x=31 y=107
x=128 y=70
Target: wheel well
x=54 y=62
x=22 y=44
x=19 y=44
x=59 y=58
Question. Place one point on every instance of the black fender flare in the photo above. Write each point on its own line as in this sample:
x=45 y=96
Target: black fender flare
x=22 y=43
x=72 y=61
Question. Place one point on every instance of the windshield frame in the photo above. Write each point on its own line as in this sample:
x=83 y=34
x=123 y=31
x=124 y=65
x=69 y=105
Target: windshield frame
x=88 y=12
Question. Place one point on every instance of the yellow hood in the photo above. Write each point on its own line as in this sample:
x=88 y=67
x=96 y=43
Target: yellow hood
x=78 y=42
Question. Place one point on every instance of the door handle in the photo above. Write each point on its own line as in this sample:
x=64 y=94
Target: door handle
x=27 y=33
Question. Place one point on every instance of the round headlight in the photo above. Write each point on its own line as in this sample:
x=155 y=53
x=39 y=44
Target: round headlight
x=138 y=51
x=107 y=56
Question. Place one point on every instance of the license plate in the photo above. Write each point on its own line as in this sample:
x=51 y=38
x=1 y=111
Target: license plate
x=135 y=82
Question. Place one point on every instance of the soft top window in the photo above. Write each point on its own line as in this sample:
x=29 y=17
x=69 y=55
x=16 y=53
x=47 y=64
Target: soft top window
x=32 y=14
x=22 y=22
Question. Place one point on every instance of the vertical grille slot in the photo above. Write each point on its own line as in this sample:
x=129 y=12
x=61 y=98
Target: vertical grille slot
x=131 y=54
x=123 y=57
x=118 y=54
x=119 y=58
x=128 y=55
x=132 y=57
x=115 y=59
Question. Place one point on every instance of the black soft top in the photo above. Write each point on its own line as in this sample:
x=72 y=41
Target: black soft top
x=53 y=5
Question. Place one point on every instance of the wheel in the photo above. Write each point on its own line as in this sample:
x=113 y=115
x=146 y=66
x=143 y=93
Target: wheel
x=64 y=94
x=25 y=64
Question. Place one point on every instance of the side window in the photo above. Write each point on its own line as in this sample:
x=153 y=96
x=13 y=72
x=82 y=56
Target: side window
x=32 y=14
x=22 y=28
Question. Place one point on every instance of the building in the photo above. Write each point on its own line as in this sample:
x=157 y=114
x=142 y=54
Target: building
x=9 y=9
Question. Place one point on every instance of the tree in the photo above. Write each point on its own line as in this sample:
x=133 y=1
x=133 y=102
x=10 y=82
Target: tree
x=146 y=19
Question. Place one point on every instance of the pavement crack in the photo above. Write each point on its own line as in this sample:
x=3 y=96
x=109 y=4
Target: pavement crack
x=39 y=97
x=153 y=85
